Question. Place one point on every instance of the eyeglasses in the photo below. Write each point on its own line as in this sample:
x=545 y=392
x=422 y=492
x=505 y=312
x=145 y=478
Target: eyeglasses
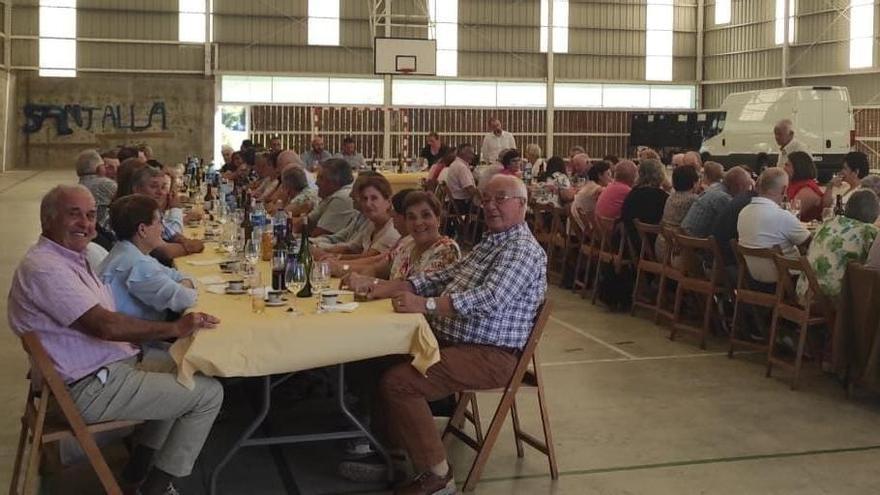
x=500 y=198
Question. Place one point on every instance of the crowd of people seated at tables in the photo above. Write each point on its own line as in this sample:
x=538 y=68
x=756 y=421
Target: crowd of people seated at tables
x=110 y=312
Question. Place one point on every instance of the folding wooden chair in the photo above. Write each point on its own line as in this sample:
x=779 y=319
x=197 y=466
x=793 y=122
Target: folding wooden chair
x=671 y=272
x=813 y=309
x=587 y=250
x=609 y=231
x=472 y=226
x=698 y=279
x=522 y=376
x=647 y=263
x=37 y=430
x=746 y=293
x=542 y=224
x=560 y=245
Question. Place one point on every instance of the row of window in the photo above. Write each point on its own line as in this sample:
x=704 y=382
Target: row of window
x=451 y=93
x=861 y=27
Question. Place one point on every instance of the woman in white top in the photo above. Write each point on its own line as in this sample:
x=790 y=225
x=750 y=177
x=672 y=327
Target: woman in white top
x=583 y=208
x=854 y=168
x=533 y=155
x=554 y=180
x=379 y=235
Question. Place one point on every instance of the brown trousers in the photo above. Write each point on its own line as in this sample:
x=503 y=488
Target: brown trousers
x=405 y=393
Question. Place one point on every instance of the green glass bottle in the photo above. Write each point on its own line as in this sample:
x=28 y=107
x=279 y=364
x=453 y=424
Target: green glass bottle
x=305 y=257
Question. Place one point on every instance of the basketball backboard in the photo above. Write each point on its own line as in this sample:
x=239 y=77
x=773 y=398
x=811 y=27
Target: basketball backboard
x=405 y=56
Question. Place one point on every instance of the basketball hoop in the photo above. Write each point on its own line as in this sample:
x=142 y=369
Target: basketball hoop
x=406 y=72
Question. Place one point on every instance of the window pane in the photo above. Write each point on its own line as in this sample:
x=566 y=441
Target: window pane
x=300 y=90
x=570 y=95
x=470 y=94
x=659 y=15
x=861 y=21
x=447 y=63
x=324 y=8
x=658 y=43
x=672 y=97
x=324 y=32
x=191 y=28
x=779 y=25
x=418 y=92
x=658 y=68
x=617 y=96
x=560 y=26
x=57 y=54
x=57 y=72
x=57 y=22
x=447 y=36
x=58 y=3
x=357 y=91
x=191 y=6
x=722 y=11
x=522 y=94
x=246 y=89
x=861 y=53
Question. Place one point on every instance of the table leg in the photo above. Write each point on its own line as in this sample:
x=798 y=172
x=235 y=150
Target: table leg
x=340 y=395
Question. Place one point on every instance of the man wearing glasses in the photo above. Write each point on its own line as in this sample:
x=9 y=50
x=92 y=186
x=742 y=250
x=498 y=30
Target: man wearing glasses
x=481 y=310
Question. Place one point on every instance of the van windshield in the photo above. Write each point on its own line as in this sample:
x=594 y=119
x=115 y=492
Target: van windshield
x=713 y=124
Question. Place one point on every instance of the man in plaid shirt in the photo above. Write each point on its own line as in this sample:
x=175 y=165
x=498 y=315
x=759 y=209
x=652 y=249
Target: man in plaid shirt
x=482 y=310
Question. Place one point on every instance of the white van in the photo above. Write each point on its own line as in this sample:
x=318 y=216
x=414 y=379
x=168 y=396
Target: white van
x=822 y=117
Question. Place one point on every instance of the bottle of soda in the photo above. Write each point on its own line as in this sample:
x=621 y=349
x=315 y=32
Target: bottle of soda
x=279 y=227
x=279 y=265
x=305 y=257
x=838 y=206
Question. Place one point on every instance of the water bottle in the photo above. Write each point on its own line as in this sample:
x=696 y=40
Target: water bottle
x=527 y=173
x=258 y=215
x=279 y=226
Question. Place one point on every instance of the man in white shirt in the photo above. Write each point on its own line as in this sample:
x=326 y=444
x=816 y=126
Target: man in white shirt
x=460 y=179
x=496 y=140
x=784 y=135
x=764 y=224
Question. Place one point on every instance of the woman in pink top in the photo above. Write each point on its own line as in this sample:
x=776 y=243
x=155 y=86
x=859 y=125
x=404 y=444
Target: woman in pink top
x=611 y=199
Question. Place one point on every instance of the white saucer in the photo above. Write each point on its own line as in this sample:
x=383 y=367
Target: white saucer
x=282 y=302
x=236 y=292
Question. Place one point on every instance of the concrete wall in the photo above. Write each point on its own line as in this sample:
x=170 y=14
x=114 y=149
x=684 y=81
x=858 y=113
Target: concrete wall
x=55 y=118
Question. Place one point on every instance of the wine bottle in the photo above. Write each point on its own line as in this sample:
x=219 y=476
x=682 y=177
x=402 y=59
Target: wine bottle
x=246 y=223
x=838 y=206
x=305 y=257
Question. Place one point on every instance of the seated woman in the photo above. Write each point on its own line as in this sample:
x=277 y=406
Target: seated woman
x=511 y=160
x=685 y=181
x=554 y=180
x=379 y=234
x=854 y=168
x=803 y=186
x=294 y=193
x=424 y=250
x=140 y=285
x=646 y=200
x=437 y=172
x=583 y=208
x=840 y=240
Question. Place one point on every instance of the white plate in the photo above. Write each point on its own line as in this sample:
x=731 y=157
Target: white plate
x=282 y=302
x=236 y=292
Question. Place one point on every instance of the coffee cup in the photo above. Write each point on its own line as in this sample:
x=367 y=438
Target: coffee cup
x=235 y=285
x=329 y=299
x=274 y=296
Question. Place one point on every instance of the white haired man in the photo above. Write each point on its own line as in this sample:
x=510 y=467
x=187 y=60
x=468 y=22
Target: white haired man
x=102 y=188
x=783 y=133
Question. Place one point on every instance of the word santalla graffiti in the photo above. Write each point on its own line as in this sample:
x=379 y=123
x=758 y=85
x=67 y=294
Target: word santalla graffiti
x=86 y=117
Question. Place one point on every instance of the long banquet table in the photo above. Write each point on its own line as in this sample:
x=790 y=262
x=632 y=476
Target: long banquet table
x=278 y=342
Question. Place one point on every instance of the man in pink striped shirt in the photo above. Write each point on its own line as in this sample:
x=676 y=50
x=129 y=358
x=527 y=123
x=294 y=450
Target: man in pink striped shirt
x=55 y=294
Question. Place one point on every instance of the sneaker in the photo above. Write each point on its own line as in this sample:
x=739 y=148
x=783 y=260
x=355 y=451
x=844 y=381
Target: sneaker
x=358 y=448
x=428 y=483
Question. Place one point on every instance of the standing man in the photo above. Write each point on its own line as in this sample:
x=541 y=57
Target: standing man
x=496 y=140
x=315 y=155
x=275 y=144
x=784 y=135
x=351 y=155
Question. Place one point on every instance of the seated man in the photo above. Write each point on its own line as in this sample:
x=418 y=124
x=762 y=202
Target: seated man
x=94 y=348
x=357 y=224
x=103 y=189
x=460 y=180
x=764 y=224
x=151 y=182
x=141 y=286
x=707 y=208
x=482 y=310
x=335 y=210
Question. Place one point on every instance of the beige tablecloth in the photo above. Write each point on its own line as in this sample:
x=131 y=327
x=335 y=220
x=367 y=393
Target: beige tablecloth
x=409 y=180
x=276 y=341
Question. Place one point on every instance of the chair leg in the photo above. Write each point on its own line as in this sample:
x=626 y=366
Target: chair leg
x=596 y=281
x=676 y=311
x=707 y=320
x=661 y=290
x=772 y=343
x=514 y=416
x=33 y=466
x=545 y=422
x=587 y=272
x=457 y=419
x=475 y=419
x=799 y=357
x=492 y=433
x=19 y=458
x=579 y=259
x=733 y=327
x=635 y=296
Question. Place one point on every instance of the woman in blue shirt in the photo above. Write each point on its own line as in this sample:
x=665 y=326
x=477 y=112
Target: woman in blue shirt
x=141 y=286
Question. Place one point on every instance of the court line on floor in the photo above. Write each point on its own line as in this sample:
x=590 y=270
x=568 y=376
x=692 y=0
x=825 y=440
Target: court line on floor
x=592 y=337
x=645 y=358
x=694 y=462
x=29 y=177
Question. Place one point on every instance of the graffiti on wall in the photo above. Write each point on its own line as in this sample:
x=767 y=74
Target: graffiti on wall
x=89 y=118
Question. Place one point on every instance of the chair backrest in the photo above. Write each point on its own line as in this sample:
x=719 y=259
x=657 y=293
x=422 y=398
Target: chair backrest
x=559 y=226
x=441 y=192
x=648 y=234
x=744 y=276
x=788 y=271
x=701 y=258
x=541 y=212
x=608 y=229
x=668 y=232
x=528 y=354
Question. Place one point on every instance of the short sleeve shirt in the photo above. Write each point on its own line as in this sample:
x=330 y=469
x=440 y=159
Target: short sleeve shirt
x=458 y=178
x=764 y=224
x=334 y=212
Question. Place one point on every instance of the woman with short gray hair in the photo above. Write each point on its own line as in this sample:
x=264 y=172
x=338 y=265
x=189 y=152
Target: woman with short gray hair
x=840 y=240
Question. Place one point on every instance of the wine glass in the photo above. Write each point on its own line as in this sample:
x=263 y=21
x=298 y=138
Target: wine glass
x=796 y=207
x=295 y=276
x=827 y=213
x=320 y=276
x=252 y=252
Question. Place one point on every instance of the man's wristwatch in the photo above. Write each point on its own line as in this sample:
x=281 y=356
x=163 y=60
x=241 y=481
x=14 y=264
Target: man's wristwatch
x=430 y=305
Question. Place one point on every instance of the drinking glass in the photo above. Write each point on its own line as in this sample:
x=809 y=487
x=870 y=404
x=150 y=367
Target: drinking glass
x=827 y=213
x=796 y=207
x=295 y=277
x=320 y=276
x=258 y=293
x=252 y=252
